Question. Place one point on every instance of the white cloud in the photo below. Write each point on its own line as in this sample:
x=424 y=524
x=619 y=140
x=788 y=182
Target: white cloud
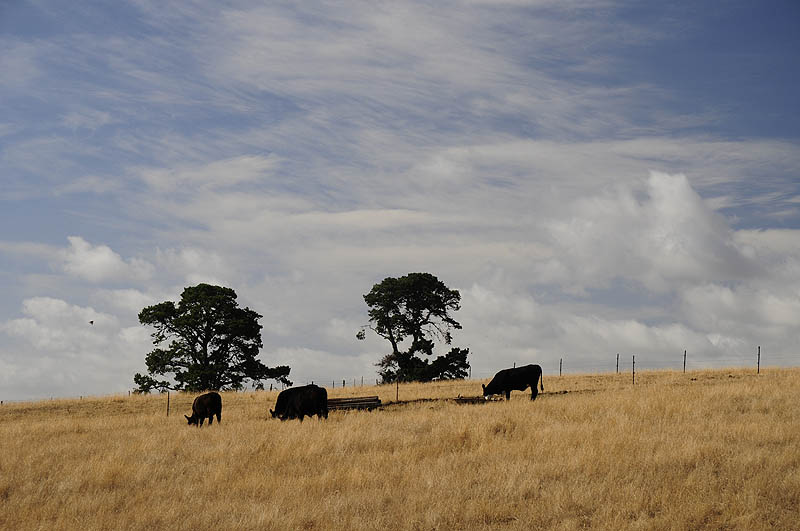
x=211 y=176
x=56 y=346
x=192 y=265
x=669 y=236
x=53 y=324
x=127 y=300
x=98 y=263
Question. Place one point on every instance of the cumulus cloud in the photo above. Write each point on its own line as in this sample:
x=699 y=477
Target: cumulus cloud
x=54 y=350
x=54 y=324
x=99 y=263
x=668 y=236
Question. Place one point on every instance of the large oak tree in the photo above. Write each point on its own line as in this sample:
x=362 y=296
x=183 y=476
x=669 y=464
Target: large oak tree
x=418 y=307
x=205 y=341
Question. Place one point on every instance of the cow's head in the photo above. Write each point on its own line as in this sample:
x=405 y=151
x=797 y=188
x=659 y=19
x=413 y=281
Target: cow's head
x=487 y=393
x=191 y=420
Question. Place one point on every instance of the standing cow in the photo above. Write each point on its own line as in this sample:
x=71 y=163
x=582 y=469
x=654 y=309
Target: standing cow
x=516 y=379
x=205 y=407
x=296 y=402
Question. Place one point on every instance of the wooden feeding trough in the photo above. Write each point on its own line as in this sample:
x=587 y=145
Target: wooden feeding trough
x=358 y=402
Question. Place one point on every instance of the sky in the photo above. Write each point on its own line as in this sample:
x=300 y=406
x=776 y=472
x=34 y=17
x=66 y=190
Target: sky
x=594 y=177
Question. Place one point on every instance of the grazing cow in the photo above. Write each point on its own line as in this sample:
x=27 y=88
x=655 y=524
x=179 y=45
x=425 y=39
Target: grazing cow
x=296 y=402
x=516 y=379
x=206 y=406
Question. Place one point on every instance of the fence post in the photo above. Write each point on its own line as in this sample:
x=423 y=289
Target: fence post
x=684 y=361
x=617 y=362
x=342 y=383
x=560 y=360
x=397 y=391
x=758 y=366
x=168 y=403
x=633 y=371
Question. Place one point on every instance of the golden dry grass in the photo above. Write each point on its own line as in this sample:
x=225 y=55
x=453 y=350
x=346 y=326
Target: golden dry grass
x=704 y=450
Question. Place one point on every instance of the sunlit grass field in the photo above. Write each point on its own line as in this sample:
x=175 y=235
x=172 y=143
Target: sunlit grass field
x=702 y=450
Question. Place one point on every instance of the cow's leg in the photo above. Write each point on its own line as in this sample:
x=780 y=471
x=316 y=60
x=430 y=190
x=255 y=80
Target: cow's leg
x=534 y=392
x=219 y=416
x=210 y=419
x=508 y=395
x=201 y=422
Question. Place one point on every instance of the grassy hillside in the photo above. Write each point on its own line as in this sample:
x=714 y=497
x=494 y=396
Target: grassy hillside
x=712 y=449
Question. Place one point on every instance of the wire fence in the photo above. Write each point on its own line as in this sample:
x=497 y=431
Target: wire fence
x=618 y=363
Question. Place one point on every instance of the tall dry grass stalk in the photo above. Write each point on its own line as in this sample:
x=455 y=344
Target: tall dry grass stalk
x=704 y=450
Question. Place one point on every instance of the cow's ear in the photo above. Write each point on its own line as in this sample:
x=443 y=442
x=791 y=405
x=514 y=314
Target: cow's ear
x=187 y=418
x=483 y=387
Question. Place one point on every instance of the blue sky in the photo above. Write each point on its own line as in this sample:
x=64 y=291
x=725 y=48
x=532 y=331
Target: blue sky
x=594 y=177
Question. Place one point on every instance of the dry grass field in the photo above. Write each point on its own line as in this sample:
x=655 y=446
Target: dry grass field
x=702 y=450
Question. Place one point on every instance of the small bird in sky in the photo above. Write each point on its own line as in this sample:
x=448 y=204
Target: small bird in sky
x=91 y=322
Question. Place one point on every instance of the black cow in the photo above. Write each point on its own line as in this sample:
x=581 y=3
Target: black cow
x=206 y=406
x=516 y=379
x=296 y=402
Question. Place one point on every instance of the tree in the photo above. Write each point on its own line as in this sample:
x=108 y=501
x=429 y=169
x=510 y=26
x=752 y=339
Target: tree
x=415 y=306
x=211 y=343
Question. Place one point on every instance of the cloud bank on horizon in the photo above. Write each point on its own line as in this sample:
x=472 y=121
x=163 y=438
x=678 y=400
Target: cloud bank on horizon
x=595 y=178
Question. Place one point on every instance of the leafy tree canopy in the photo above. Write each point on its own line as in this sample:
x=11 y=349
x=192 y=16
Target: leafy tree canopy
x=418 y=307
x=206 y=341
x=406 y=367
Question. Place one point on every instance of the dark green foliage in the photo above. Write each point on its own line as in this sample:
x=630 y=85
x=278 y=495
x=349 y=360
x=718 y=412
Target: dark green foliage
x=407 y=368
x=211 y=343
x=416 y=307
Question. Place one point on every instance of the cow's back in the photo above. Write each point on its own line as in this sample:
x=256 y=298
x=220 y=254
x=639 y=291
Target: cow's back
x=307 y=400
x=207 y=404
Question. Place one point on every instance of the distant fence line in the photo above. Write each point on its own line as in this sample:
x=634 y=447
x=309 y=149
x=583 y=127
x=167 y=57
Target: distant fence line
x=684 y=361
x=617 y=364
